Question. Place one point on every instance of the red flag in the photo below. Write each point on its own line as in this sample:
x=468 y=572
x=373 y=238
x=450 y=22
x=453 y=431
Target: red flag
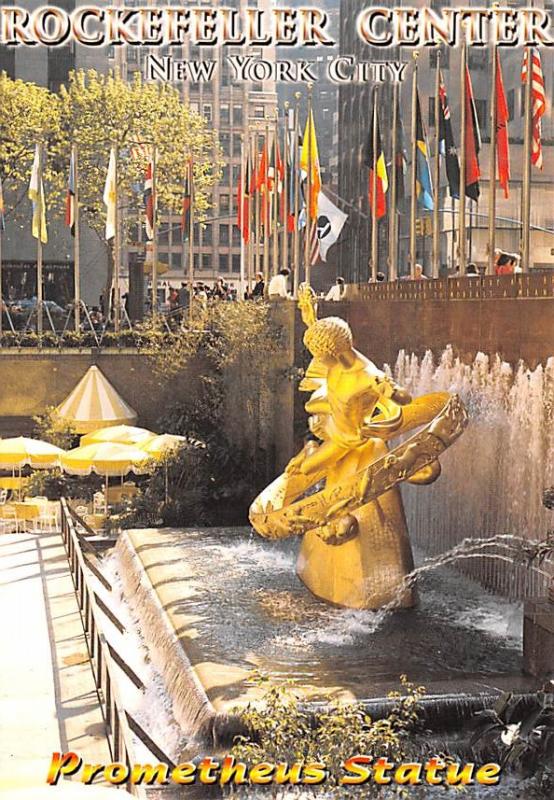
x=502 y=116
x=538 y=103
x=378 y=160
x=187 y=201
x=262 y=184
x=243 y=198
x=472 y=143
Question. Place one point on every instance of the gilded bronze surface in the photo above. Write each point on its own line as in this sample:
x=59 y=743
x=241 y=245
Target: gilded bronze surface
x=356 y=551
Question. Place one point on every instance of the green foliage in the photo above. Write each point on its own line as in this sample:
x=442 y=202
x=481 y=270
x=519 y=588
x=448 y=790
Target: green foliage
x=50 y=428
x=55 y=484
x=282 y=729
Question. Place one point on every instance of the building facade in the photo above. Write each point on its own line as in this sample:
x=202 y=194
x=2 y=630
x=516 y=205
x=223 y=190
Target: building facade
x=355 y=105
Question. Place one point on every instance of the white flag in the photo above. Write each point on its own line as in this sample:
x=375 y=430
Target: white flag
x=330 y=222
x=110 y=196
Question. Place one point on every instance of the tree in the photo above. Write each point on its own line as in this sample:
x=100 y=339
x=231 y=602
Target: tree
x=101 y=111
x=28 y=114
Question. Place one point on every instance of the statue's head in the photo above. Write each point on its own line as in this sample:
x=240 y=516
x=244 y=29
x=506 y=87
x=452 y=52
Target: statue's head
x=328 y=338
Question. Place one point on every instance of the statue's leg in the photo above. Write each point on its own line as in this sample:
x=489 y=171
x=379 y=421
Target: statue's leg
x=366 y=571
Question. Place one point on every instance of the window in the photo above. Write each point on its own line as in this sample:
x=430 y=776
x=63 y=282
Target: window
x=237 y=115
x=511 y=100
x=431 y=114
x=236 y=262
x=206 y=261
x=207 y=111
x=223 y=234
x=224 y=114
x=224 y=204
x=259 y=112
x=445 y=57
x=207 y=235
x=236 y=237
x=477 y=58
x=225 y=142
x=176 y=260
x=195 y=260
x=236 y=173
x=223 y=263
x=225 y=174
x=237 y=145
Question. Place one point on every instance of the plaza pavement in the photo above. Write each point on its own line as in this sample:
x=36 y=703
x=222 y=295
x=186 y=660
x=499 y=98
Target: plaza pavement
x=48 y=699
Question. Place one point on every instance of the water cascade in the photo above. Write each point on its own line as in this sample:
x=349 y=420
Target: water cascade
x=496 y=473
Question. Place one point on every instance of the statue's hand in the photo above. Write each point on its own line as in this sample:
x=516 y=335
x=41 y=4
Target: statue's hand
x=339 y=531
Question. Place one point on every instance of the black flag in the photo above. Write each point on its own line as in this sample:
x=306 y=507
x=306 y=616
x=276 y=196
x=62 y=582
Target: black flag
x=446 y=143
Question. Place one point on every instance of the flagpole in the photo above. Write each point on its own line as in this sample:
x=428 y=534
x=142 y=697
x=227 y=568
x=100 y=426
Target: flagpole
x=266 y=209
x=413 y=176
x=275 y=196
x=437 y=173
x=77 y=241
x=462 y=192
x=191 y=239
x=2 y=213
x=116 y=244
x=286 y=187
x=256 y=205
x=374 y=222
x=244 y=189
x=526 y=187
x=393 y=218
x=492 y=163
x=308 y=226
x=39 y=244
x=154 y=232
x=296 y=232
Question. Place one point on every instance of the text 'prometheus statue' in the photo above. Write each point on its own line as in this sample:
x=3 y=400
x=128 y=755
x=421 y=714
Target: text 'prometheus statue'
x=356 y=551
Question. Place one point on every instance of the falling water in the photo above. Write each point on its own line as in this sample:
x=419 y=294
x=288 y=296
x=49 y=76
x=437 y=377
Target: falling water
x=493 y=477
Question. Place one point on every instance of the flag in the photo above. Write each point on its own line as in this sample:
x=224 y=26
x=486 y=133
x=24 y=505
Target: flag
x=70 y=197
x=538 y=103
x=424 y=186
x=309 y=162
x=502 y=116
x=472 y=143
x=186 y=209
x=262 y=184
x=148 y=197
x=314 y=243
x=36 y=196
x=446 y=143
x=2 y=210
x=378 y=161
x=110 y=196
x=401 y=156
x=330 y=222
x=243 y=197
x=293 y=152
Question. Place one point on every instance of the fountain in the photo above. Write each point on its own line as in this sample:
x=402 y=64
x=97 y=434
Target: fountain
x=213 y=605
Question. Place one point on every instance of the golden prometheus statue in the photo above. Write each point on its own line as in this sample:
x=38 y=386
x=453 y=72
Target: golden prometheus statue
x=356 y=551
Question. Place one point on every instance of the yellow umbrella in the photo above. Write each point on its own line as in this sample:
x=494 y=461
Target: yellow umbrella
x=94 y=403
x=159 y=446
x=105 y=458
x=123 y=434
x=20 y=451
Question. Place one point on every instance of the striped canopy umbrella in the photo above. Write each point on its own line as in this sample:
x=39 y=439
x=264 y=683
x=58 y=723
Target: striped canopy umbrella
x=158 y=446
x=20 y=452
x=109 y=459
x=94 y=403
x=105 y=458
x=123 y=434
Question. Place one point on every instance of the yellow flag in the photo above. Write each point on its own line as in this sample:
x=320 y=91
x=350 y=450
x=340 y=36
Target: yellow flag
x=110 y=196
x=309 y=163
x=36 y=195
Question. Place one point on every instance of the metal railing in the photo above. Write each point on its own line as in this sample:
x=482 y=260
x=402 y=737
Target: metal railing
x=523 y=285
x=104 y=658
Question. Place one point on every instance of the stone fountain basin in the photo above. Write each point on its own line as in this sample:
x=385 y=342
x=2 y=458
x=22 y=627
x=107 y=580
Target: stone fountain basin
x=213 y=605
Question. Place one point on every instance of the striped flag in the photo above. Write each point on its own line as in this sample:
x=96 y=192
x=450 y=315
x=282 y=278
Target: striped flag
x=424 y=185
x=149 y=200
x=538 y=103
x=293 y=151
x=36 y=196
x=378 y=160
x=70 y=197
x=2 y=210
x=187 y=202
x=243 y=197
